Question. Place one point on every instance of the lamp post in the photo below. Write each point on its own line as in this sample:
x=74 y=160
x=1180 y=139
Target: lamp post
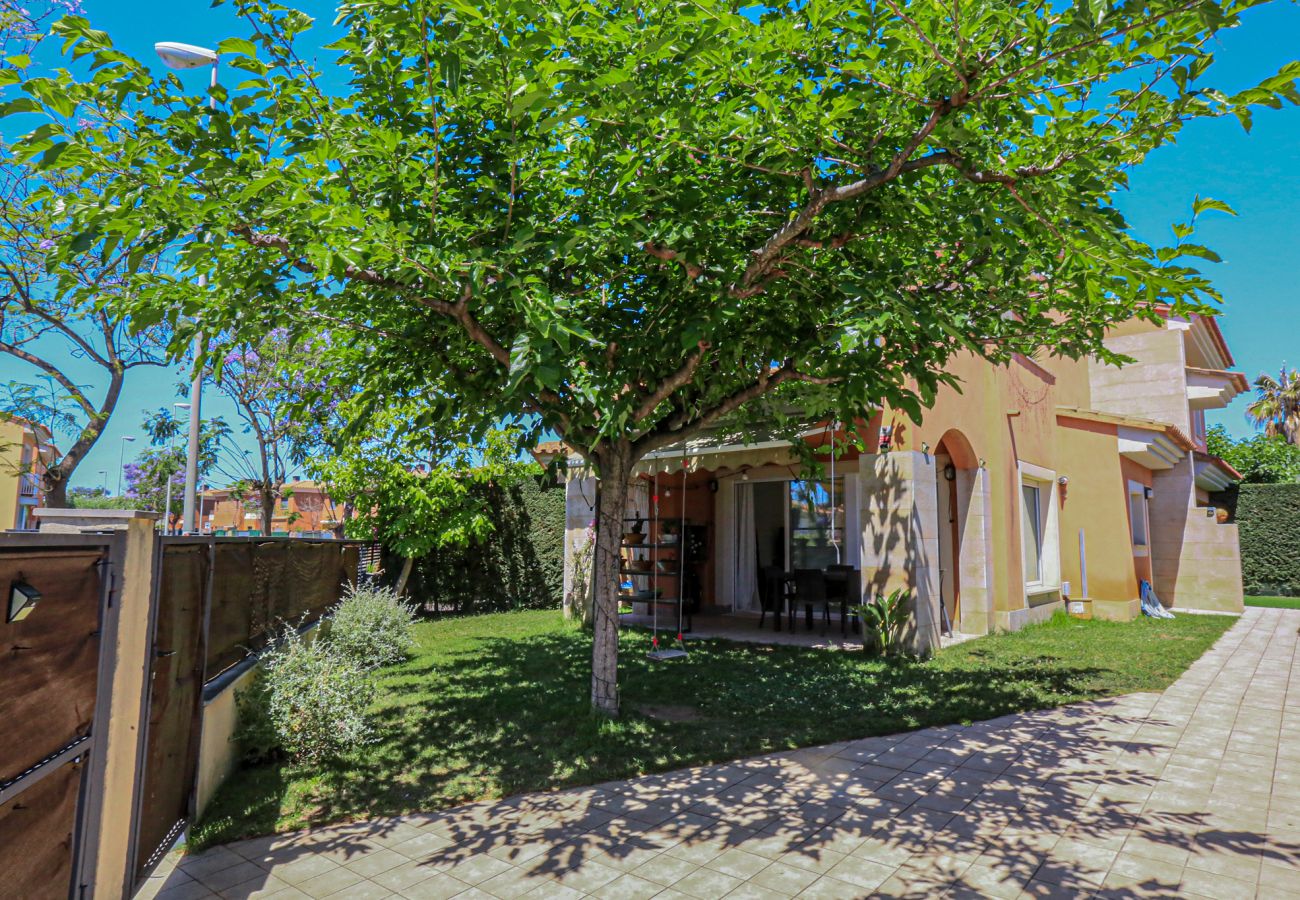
x=188 y=56
x=167 y=503
x=121 y=461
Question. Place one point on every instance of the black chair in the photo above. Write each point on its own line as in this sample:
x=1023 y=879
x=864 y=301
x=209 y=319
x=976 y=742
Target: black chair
x=772 y=593
x=810 y=590
x=844 y=583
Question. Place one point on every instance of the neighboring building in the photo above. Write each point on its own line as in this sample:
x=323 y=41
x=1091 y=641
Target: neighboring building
x=1037 y=484
x=25 y=449
x=306 y=510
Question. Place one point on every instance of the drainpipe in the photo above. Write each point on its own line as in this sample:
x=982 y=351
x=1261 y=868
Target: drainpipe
x=1083 y=567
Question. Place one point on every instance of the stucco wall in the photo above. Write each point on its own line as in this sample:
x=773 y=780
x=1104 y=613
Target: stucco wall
x=1096 y=502
x=11 y=456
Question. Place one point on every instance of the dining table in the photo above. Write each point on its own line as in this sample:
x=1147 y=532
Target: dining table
x=839 y=586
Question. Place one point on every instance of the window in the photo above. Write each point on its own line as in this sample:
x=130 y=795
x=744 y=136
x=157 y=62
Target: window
x=1032 y=517
x=813 y=507
x=1138 y=517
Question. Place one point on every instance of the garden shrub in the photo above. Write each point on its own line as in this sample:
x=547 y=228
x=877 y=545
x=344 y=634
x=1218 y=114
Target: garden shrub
x=372 y=627
x=317 y=698
x=255 y=734
x=1268 y=520
x=519 y=566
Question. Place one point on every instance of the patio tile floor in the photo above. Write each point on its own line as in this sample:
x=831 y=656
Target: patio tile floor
x=1193 y=792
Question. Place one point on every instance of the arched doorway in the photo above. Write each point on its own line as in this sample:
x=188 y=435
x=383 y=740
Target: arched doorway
x=961 y=550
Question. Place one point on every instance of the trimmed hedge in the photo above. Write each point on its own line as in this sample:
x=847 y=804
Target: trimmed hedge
x=521 y=566
x=1268 y=516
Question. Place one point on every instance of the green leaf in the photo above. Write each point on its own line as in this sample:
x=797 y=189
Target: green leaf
x=1201 y=204
x=237 y=45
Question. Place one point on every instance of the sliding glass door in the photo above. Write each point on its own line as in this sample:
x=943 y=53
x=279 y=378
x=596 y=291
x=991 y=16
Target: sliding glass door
x=817 y=525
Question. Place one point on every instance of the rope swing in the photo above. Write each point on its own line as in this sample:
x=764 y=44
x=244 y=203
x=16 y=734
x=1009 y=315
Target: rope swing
x=835 y=541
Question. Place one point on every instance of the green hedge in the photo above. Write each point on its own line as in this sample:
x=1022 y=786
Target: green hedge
x=521 y=566
x=1268 y=516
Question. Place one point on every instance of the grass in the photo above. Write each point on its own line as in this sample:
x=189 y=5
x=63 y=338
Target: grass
x=1274 y=602
x=497 y=704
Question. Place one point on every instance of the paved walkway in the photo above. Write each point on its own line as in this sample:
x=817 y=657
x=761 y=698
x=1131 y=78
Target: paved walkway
x=1193 y=792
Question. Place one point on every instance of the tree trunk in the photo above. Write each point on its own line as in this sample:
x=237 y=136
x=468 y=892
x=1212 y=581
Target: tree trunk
x=55 y=482
x=407 y=565
x=615 y=470
x=268 y=508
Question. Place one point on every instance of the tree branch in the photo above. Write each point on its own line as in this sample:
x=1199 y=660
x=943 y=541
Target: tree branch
x=686 y=423
x=672 y=383
x=54 y=372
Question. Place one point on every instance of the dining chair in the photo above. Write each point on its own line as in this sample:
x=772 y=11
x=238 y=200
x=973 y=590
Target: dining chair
x=810 y=590
x=772 y=592
x=844 y=583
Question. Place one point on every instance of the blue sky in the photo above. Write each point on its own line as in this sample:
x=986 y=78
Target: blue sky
x=1258 y=174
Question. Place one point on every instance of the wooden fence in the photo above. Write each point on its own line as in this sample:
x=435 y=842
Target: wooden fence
x=49 y=708
x=212 y=604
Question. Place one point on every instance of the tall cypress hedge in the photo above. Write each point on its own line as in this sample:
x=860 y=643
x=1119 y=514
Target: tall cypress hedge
x=520 y=566
x=1268 y=517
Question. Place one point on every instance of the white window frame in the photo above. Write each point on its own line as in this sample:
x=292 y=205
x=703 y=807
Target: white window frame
x=1139 y=490
x=1049 y=562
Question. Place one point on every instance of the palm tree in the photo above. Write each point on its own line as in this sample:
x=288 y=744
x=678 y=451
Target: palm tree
x=1277 y=408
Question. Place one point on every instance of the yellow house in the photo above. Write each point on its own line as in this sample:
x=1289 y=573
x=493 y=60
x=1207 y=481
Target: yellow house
x=24 y=450
x=1041 y=485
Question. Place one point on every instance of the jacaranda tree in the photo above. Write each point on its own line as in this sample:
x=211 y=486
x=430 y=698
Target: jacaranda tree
x=627 y=223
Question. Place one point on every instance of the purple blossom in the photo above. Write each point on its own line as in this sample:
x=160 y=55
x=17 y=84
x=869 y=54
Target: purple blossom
x=46 y=244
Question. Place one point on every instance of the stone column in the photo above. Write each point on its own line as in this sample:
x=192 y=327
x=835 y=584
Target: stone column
x=899 y=512
x=974 y=564
x=579 y=513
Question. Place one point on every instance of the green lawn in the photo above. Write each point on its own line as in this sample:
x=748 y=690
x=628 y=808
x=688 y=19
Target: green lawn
x=497 y=704
x=1274 y=602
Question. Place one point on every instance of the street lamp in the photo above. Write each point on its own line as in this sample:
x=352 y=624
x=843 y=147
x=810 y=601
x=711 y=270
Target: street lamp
x=187 y=56
x=121 y=461
x=167 y=504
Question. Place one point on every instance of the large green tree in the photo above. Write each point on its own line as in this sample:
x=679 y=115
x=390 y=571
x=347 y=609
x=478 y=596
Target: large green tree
x=627 y=223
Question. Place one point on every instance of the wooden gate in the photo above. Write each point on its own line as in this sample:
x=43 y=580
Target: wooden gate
x=171 y=752
x=50 y=654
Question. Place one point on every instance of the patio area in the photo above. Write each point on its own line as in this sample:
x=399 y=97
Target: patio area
x=1192 y=792
x=745 y=627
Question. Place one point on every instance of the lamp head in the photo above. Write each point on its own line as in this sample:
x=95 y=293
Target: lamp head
x=22 y=600
x=184 y=56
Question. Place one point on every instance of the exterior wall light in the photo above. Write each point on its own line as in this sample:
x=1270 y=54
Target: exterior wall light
x=886 y=437
x=1063 y=480
x=1146 y=492
x=950 y=472
x=22 y=600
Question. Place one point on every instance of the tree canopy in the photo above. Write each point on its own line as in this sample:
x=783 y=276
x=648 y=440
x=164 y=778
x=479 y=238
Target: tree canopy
x=625 y=224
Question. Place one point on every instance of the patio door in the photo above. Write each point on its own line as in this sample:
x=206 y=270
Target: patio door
x=790 y=523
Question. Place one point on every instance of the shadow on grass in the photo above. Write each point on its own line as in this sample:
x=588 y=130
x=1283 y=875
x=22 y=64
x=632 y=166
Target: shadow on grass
x=499 y=715
x=1053 y=796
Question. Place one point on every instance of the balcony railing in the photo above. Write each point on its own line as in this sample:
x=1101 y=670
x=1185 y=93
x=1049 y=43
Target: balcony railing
x=29 y=485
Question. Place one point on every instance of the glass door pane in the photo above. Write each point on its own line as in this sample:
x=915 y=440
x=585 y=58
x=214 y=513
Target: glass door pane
x=814 y=506
x=1033 y=537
